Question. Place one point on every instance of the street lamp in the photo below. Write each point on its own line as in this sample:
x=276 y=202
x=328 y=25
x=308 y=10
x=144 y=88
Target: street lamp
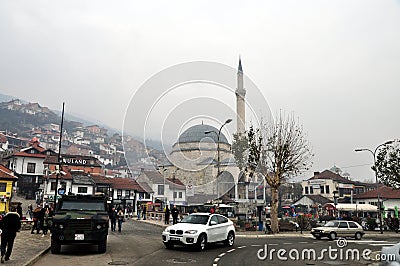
x=218 y=150
x=376 y=178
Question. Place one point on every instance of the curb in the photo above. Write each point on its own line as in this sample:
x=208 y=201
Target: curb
x=37 y=257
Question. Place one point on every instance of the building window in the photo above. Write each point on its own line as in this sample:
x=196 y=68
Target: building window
x=82 y=189
x=31 y=168
x=53 y=186
x=327 y=190
x=306 y=190
x=160 y=189
x=180 y=195
x=127 y=193
x=311 y=190
x=119 y=193
x=3 y=187
x=322 y=189
x=175 y=195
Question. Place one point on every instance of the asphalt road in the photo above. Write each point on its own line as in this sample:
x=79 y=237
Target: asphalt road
x=140 y=244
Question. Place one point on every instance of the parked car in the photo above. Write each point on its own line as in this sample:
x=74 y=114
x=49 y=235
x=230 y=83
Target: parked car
x=199 y=229
x=287 y=225
x=333 y=229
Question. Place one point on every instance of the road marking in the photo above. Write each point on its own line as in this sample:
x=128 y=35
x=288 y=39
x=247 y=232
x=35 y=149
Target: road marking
x=242 y=247
x=272 y=244
x=216 y=260
x=229 y=251
x=366 y=241
x=382 y=244
x=288 y=243
x=256 y=245
x=303 y=242
x=221 y=255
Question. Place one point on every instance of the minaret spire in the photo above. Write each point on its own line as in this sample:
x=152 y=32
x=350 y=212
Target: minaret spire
x=240 y=101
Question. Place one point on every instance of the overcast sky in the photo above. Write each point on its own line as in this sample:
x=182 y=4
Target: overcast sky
x=335 y=64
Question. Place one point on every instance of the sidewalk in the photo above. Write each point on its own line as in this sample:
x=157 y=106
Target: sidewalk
x=28 y=248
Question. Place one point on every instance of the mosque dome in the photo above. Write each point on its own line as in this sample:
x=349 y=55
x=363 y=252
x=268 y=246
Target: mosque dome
x=197 y=133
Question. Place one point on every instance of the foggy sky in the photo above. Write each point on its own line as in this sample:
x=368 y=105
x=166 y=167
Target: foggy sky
x=334 y=64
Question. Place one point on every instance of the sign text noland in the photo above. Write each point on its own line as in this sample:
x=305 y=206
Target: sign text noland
x=74 y=161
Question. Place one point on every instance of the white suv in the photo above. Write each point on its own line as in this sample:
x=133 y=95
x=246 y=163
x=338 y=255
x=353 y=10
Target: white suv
x=198 y=229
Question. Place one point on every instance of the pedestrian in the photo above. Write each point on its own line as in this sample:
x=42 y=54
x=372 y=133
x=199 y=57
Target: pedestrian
x=166 y=215
x=139 y=211
x=212 y=210
x=30 y=211
x=47 y=220
x=36 y=220
x=113 y=218
x=121 y=217
x=144 y=212
x=19 y=210
x=175 y=213
x=129 y=211
x=10 y=225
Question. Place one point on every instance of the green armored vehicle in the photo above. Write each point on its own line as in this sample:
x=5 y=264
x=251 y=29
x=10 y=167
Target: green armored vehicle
x=80 y=219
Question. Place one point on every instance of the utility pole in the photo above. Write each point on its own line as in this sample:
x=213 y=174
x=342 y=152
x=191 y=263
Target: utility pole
x=59 y=158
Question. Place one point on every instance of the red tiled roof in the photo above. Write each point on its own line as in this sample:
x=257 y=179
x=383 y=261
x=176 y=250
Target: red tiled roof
x=331 y=175
x=25 y=154
x=100 y=179
x=6 y=173
x=66 y=175
x=126 y=183
x=384 y=193
x=175 y=181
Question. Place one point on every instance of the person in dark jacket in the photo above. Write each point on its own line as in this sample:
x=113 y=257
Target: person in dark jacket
x=175 y=213
x=36 y=219
x=113 y=218
x=10 y=225
x=19 y=210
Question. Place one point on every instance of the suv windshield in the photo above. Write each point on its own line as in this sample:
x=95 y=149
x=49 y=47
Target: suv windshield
x=331 y=224
x=195 y=219
x=83 y=206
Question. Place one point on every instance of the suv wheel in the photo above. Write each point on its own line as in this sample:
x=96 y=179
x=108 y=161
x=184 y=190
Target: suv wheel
x=358 y=236
x=332 y=235
x=201 y=242
x=102 y=246
x=55 y=247
x=230 y=240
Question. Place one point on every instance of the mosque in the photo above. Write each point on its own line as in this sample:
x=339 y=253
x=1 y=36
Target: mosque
x=199 y=155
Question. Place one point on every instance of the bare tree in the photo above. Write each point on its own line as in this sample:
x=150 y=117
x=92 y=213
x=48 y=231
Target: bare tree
x=278 y=151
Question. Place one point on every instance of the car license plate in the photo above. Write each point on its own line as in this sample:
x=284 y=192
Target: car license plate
x=174 y=238
x=79 y=237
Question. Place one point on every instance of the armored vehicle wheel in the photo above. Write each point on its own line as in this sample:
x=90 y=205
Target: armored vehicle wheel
x=55 y=247
x=102 y=246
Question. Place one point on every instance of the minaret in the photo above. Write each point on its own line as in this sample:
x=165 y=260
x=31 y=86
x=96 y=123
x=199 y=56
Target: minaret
x=240 y=101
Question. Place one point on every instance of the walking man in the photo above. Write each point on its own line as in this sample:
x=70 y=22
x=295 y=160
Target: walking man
x=113 y=218
x=10 y=225
x=175 y=213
